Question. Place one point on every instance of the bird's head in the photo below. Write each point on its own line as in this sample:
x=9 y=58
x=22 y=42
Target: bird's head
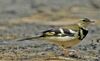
x=85 y=22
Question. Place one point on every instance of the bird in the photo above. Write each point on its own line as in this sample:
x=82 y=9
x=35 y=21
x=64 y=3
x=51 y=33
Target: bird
x=65 y=36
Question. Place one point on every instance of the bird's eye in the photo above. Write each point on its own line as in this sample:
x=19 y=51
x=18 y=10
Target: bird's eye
x=84 y=20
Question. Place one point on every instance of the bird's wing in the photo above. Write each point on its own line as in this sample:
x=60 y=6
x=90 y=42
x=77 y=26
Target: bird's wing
x=60 y=32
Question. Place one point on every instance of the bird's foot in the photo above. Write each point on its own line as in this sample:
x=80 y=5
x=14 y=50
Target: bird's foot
x=74 y=53
x=71 y=53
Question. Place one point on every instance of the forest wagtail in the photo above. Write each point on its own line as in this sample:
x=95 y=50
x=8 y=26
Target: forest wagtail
x=66 y=36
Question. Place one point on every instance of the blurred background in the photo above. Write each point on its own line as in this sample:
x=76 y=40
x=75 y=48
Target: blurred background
x=28 y=13
x=25 y=18
x=72 y=8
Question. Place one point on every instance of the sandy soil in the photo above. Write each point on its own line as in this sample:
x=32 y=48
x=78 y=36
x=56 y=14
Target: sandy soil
x=36 y=50
x=21 y=18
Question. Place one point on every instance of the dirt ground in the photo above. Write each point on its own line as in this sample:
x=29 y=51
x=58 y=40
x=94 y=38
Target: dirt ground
x=39 y=50
x=19 y=20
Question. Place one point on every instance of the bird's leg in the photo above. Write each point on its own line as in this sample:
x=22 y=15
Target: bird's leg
x=65 y=51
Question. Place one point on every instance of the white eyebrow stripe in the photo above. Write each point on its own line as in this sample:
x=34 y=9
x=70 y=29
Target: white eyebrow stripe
x=61 y=30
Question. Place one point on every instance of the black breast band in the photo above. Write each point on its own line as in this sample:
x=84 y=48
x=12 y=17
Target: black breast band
x=82 y=33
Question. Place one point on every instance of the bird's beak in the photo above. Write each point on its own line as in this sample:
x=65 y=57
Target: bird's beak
x=92 y=21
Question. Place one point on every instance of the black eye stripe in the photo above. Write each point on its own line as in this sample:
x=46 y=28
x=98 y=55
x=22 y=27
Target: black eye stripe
x=86 y=20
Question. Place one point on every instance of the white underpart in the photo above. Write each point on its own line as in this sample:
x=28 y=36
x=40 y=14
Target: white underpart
x=66 y=38
x=61 y=30
x=72 y=31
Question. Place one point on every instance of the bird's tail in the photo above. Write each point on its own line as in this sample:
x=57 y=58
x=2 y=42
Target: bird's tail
x=29 y=38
